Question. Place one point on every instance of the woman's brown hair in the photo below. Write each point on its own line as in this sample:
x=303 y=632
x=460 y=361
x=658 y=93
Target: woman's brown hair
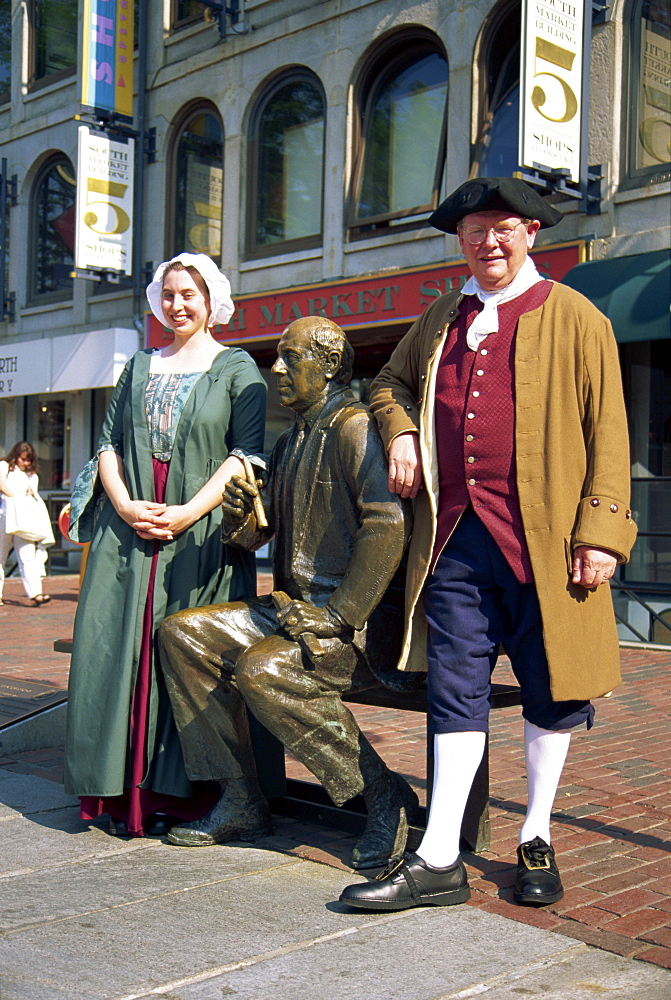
x=19 y=449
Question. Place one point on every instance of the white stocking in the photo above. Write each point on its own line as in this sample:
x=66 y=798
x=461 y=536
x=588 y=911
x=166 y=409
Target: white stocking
x=456 y=759
x=545 y=752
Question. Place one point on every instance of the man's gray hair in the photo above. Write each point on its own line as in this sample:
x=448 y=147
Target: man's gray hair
x=327 y=337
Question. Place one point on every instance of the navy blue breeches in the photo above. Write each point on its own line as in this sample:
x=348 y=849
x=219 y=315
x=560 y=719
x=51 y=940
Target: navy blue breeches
x=473 y=604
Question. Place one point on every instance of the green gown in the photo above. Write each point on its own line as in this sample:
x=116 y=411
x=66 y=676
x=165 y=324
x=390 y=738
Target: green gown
x=225 y=410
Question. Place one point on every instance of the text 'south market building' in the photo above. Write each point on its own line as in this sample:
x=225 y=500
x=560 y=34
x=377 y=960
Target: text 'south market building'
x=304 y=148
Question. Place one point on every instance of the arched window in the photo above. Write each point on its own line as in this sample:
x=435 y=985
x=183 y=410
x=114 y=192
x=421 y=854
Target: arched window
x=649 y=93
x=496 y=148
x=53 y=39
x=198 y=184
x=286 y=156
x=53 y=230
x=400 y=154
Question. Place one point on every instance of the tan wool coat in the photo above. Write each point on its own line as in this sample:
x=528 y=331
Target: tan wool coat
x=572 y=460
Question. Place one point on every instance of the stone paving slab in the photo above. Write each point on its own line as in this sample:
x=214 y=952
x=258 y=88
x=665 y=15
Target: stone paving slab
x=154 y=870
x=54 y=839
x=392 y=967
x=22 y=794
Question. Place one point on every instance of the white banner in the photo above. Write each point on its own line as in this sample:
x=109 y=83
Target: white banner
x=551 y=85
x=104 y=233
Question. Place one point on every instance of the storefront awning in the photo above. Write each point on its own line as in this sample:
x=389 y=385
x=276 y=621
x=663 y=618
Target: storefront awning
x=633 y=292
x=60 y=364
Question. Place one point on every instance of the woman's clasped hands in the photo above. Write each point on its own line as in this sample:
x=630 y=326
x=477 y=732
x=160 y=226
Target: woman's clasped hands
x=157 y=521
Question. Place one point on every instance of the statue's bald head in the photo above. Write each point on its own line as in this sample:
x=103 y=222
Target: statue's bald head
x=325 y=337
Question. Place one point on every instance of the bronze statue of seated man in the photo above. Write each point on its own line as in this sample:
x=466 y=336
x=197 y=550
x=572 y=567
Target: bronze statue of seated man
x=330 y=627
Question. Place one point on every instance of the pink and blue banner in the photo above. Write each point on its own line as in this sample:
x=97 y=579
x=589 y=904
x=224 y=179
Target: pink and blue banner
x=107 y=58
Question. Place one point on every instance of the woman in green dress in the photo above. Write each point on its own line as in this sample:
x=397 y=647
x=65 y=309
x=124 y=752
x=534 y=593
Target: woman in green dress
x=180 y=420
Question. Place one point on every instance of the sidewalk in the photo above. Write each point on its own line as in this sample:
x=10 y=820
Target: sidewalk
x=612 y=823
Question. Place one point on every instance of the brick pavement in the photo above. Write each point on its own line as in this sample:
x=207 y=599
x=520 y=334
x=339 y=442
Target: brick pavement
x=612 y=820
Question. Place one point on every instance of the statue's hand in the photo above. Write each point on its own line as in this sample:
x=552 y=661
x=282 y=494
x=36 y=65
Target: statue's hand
x=299 y=616
x=237 y=502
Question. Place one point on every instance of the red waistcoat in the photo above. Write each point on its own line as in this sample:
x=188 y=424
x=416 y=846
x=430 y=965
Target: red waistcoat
x=475 y=429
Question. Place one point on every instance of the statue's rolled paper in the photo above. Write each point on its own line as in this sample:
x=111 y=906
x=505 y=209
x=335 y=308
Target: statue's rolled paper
x=259 y=512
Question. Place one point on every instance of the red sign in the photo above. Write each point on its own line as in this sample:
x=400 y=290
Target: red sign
x=375 y=300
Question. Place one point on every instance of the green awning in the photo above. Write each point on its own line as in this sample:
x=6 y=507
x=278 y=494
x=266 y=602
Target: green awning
x=633 y=292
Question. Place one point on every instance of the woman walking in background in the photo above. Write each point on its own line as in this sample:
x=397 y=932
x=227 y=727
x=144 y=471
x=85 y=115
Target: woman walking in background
x=18 y=478
x=165 y=454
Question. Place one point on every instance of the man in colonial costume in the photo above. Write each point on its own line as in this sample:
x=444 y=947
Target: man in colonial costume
x=502 y=413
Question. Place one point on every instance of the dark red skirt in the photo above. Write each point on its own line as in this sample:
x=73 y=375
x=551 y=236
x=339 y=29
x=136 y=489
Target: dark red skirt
x=136 y=805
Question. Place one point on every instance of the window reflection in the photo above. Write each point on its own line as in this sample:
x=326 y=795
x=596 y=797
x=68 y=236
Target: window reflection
x=289 y=146
x=405 y=114
x=46 y=429
x=5 y=49
x=650 y=125
x=647 y=368
x=496 y=149
x=199 y=180
x=54 y=37
x=186 y=11
x=53 y=229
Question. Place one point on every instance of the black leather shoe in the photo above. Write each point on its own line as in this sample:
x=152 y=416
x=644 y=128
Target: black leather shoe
x=157 y=825
x=392 y=805
x=411 y=882
x=538 y=882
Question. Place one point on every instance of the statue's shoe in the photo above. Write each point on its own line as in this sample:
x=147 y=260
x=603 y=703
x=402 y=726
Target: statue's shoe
x=230 y=819
x=538 y=881
x=410 y=882
x=392 y=806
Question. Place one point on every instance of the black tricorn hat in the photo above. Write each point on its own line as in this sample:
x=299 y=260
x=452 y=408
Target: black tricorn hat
x=493 y=194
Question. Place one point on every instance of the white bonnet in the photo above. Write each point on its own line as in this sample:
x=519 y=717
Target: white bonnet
x=218 y=285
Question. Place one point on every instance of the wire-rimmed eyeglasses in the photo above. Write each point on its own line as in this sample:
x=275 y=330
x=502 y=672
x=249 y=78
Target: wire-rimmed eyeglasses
x=502 y=234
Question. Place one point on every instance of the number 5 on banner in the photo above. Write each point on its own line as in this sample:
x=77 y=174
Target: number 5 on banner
x=558 y=56
x=103 y=210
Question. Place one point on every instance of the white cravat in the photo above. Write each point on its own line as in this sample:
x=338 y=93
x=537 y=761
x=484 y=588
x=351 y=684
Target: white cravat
x=487 y=320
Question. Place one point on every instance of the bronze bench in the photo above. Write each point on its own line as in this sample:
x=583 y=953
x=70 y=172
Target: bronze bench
x=308 y=800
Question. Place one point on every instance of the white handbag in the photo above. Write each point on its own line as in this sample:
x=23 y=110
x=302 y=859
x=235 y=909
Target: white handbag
x=27 y=516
